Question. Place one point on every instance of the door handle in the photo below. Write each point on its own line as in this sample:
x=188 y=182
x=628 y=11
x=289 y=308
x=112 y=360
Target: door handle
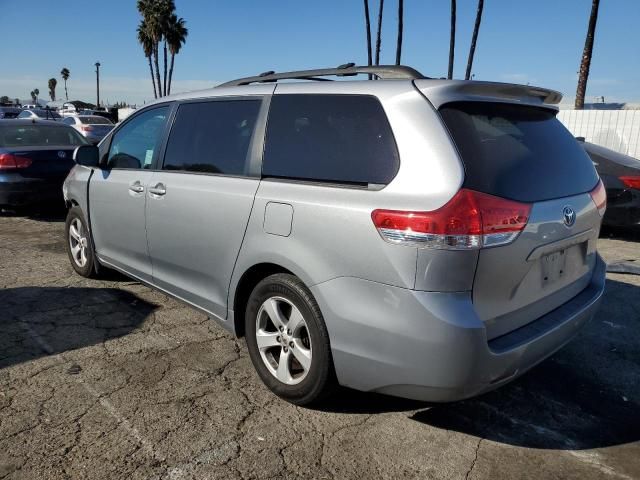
x=158 y=190
x=136 y=187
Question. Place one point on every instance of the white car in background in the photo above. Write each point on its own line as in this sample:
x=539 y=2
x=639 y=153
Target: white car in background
x=93 y=127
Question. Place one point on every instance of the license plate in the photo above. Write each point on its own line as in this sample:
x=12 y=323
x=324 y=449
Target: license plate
x=553 y=266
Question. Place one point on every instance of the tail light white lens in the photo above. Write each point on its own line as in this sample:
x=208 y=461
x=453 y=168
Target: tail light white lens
x=12 y=162
x=599 y=197
x=631 y=181
x=470 y=220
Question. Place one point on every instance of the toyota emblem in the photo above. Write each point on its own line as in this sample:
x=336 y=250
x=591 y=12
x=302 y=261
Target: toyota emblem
x=569 y=216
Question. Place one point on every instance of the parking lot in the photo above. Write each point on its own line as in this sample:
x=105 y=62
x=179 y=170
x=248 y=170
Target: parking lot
x=109 y=379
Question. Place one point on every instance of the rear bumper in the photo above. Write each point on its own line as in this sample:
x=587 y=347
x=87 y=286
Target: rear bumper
x=432 y=346
x=16 y=190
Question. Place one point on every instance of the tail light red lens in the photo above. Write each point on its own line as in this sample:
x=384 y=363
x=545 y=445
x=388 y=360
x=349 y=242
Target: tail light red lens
x=12 y=162
x=631 y=181
x=86 y=128
x=599 y=197
x=469 y=220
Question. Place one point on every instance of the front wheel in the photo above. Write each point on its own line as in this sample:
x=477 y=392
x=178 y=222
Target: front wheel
x=79 y=245
x=288 y=341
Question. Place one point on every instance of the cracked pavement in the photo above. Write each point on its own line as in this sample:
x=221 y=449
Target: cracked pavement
x=109 y=380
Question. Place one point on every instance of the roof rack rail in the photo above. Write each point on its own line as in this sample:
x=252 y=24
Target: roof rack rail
x=384 y=72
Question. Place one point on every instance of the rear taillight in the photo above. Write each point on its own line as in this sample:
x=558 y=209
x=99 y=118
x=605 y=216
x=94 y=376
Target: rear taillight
x=86 y=128
x=599 y=197
x=11 y=162
x=631 y=181
x=469 y=220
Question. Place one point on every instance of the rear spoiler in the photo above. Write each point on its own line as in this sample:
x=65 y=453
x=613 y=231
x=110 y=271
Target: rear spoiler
x=440 y=92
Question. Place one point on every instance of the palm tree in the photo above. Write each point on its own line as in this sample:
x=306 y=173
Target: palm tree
x=147 y=46
x=33 y=96
x=379 y=35
x=53 y=83
x=176 y=35
x=36 y=92
x=151 y=12
x=585 y=64
x=474 y=39
x=367 y=23
x=399 y=43
x=452 y=39
x=64 y=73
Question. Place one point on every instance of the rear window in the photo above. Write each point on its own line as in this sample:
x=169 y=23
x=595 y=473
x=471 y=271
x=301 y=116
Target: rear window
x=46 y=114
x=39 y=136
x=518 y=152
x=95 y=120
x=329 y=138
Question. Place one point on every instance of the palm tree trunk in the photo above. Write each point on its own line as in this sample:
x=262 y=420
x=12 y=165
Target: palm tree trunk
x=400 y=21
x=379 y=35
x=474 y=39
x=157 y=65
x=585 y=64
x=170 y=74
x=66 y=94
x=165 y=68
x=452 y=39
x=153 y=80
x=367 y=22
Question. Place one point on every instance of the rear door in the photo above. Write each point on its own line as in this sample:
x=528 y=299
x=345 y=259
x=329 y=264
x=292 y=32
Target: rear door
x=117 y=193
x=199 y=202
x=523 y=153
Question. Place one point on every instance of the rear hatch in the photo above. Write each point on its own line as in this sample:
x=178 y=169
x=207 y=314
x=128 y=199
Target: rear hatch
x=524 y=154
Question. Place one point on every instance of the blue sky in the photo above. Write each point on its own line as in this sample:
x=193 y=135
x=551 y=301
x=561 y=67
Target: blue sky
x=521 y=41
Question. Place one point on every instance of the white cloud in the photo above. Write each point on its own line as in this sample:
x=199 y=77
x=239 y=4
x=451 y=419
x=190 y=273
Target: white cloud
x=112 y=89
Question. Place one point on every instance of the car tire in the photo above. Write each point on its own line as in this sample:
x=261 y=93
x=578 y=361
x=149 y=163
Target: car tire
x=295 y=363
x=79 y=245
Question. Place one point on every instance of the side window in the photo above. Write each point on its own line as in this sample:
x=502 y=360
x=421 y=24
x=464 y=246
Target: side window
x=134 y=145
x=69 y=121
x=329 y=138
x=212 y=137
x=24 y=114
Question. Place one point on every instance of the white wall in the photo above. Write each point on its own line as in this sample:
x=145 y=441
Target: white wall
x=618 y=130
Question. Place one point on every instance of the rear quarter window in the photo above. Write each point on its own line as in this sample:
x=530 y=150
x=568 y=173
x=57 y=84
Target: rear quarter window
x=518 y=152
x=329 y=138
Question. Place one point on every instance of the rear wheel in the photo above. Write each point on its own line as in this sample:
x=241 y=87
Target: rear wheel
x=288 y=341
x=79 y=245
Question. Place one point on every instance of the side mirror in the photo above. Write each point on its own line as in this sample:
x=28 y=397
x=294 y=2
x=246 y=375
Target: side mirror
x=580 y=139
x=87 y=155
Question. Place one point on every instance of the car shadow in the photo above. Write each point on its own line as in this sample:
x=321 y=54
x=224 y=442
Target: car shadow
x=585 y=396
x=41 y=321
x=629 y=234
x=40 y=213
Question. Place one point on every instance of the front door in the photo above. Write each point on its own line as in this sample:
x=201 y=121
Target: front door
x=117 y=193
x=199 y=203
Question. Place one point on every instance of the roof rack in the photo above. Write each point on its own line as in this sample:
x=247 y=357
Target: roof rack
x=384 y=72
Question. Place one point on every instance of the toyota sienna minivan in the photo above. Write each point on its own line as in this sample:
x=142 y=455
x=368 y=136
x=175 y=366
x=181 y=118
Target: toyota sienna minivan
x=429 y=239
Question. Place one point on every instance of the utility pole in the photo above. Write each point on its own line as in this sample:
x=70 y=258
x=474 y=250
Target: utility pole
x=97 y=84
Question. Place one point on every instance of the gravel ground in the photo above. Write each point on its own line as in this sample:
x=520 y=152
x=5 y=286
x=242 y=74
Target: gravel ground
x=110 y=380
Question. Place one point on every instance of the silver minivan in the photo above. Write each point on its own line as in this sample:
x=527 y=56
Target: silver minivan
x=429 y=239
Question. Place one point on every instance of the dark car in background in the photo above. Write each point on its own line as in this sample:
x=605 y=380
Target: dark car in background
x=621 y=177
x=35 y=158
x=9 y=112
